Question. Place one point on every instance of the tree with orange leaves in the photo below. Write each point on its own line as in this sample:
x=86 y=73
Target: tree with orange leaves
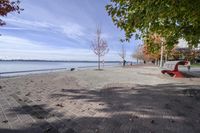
x=153 y=44
x=152 y=47
x=144 y=53
x=150 y=55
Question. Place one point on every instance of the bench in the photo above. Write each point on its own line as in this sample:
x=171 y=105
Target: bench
x=171 y=68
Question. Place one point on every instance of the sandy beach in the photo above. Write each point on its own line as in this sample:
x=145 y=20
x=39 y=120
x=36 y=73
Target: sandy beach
x=135 y=99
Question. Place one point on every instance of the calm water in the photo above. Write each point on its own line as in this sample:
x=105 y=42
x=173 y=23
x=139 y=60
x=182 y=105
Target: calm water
x=10 y=68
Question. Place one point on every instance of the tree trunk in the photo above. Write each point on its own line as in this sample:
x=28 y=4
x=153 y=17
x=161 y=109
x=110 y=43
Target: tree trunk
x=156 y=62
x=98 y=62
x=166 y=58
x=161 y=55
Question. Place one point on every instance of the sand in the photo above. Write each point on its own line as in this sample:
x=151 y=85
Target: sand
x=132 y=99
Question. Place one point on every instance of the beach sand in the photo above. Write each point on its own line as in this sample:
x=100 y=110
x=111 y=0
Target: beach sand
x=134 y=99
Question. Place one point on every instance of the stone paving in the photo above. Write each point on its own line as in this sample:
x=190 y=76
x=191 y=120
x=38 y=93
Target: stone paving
x=78 y=104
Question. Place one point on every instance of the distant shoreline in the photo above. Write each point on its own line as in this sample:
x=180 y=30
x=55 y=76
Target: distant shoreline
x=74 y=61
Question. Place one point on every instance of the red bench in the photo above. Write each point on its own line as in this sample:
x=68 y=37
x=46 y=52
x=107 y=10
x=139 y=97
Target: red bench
x=171 y=68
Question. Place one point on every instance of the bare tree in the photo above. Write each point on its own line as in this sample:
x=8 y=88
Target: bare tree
x=99 y=46
x=123 y=54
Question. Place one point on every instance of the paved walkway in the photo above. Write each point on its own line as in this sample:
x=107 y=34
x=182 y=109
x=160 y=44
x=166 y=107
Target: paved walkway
x=33 y=106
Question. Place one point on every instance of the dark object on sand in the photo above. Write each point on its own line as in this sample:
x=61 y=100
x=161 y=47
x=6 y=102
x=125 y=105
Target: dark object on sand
x=59 y=105
x=152 y=121
x=1 y=87
x=172 y=121
x=5 y=121
x=47 y=130
x=72 y=69
x=19 y=99
x=28 y=94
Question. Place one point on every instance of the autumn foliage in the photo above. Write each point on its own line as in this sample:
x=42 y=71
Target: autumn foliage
x=152 y=46
x=7 y=6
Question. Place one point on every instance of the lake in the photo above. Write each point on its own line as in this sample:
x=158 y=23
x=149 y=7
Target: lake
x=11 y=68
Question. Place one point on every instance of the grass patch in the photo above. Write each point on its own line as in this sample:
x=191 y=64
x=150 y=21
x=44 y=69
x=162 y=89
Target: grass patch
x=196 y=65
x=98 y=69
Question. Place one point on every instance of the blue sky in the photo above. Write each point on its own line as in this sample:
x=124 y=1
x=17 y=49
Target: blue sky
x=60 y=30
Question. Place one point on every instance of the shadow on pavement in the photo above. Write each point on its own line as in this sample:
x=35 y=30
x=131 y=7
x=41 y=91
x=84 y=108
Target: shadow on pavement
x=170 y=108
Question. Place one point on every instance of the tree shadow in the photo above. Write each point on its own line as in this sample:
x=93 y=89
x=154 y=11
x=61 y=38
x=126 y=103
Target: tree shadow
x=36 y=111
x=191 y=75
x=135 y=109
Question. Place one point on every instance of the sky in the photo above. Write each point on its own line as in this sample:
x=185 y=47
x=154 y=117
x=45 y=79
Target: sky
x=60 y=30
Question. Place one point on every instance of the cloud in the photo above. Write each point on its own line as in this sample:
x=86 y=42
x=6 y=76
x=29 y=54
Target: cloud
x=73 y=30
x=13 y=42
x=13 y=47
x=12 y=28
x=28 y=24
x=57 y=54
x=19 y=48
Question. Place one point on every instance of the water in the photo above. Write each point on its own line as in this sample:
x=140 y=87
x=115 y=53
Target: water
x=12 y=68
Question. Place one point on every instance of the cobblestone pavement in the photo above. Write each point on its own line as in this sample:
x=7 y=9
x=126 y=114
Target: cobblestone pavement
x=49 y=103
